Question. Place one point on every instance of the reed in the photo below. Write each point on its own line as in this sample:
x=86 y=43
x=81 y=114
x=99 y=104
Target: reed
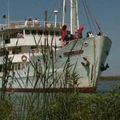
x=54 y=106
x=99 y=106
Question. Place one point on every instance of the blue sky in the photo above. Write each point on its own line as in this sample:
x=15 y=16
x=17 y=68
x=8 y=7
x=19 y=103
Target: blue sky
x=106 y=12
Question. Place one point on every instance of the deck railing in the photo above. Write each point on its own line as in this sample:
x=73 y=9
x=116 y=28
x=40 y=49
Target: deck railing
x=29 y=24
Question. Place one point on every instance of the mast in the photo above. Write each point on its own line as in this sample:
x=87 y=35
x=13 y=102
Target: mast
x=63 y=11
x=73 y=4
x=74 y=19
x=77 y=16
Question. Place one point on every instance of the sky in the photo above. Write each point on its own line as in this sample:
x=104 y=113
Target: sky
x=106 y=12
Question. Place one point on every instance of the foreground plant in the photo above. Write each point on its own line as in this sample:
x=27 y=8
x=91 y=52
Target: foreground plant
x=7 y=110
x=85 y=107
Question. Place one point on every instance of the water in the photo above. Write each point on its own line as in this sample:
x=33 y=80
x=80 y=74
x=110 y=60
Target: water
x=107 y=85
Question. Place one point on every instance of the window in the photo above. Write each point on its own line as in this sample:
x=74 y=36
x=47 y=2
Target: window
x=57 y=33
x=1 y=52
x=27 y=31
x=51 y=32
x=33 y=47
x=19 y=67
x=15 y=66
x=16 y=50
x=40 y=32
x=13 y=35
x=7 y=40
x=16 y=34
x=33 y=32
x=1 y=68
x=68 y=32
x=45 y=32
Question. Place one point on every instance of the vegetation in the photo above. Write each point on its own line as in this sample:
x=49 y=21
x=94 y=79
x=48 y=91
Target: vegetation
x=55 y=106
x=85 y=107
x=7 y=111
x=63 y=106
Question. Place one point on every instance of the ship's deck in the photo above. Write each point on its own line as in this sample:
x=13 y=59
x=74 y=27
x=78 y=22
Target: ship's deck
x=30 y=24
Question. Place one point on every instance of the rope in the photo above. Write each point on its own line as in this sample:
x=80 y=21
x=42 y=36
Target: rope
x=90 y=15
x=93 y=19
x=86 y=12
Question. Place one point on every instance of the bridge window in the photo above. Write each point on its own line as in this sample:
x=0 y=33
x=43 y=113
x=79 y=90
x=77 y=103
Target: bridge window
x=57 y=33
x=16 y=34
x=40 y=32
x=51 y=32
x=13 y=35
x=27 y=32
x=33 y=32
x=45 y=32
x=7 y=40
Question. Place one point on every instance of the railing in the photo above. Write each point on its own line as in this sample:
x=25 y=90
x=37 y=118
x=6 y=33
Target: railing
x=32 y=24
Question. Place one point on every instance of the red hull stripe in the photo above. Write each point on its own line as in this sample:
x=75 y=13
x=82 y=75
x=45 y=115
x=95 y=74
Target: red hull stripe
x=51 y=90
x=73 y=53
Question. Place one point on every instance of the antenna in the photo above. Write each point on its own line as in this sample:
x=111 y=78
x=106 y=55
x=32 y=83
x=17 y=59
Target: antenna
x=8 y=16
x=46 y=18
x=55 y=12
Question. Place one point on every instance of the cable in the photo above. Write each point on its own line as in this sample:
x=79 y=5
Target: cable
x=94 y=21
x=86 y=12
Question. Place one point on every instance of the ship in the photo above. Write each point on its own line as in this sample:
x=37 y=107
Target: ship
x=44 y=56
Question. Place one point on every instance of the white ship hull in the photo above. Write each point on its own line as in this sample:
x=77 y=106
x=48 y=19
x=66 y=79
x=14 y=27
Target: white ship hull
x=93 y=52
x=77 y=65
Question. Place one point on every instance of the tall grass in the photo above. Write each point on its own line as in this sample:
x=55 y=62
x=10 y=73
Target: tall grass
x=99 y=106
x=32 y=106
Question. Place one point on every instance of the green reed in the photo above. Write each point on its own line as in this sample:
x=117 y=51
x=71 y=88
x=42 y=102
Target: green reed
x=55 y=106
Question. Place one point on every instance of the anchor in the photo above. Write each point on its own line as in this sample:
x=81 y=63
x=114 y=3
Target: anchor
x=104 y=67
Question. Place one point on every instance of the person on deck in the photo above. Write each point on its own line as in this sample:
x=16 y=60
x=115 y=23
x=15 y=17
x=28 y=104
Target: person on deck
x=35 y=21
x=79 y=31
x=63 y=33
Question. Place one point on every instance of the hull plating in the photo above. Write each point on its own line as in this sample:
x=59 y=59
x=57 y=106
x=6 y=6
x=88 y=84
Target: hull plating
x=76 y=65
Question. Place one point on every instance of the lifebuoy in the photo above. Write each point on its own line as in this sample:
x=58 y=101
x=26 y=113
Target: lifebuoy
x=24 y=58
